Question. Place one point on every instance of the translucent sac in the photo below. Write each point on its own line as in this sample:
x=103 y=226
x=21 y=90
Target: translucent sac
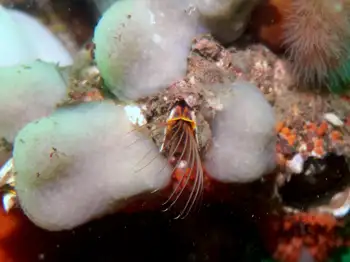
x=225 y=19
x=142 y=46
x=103 y=5
x=244 y=139
x=24 y=39
x=83 y=162
x=28 y=92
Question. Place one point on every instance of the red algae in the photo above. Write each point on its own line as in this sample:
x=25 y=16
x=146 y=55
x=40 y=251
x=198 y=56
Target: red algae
x=289 y=233
x=180 y=172
x=286 y=236
x=20 y=240
x=308 y=138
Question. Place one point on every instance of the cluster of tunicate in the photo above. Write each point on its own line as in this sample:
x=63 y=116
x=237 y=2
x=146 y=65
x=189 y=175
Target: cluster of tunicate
x=80 y=162
x=142 y=46
x=25 y=90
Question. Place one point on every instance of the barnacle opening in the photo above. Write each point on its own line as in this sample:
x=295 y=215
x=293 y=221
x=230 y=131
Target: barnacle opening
x=318 y=182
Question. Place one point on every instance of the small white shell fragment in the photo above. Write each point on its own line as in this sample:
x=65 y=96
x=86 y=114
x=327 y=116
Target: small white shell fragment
x=339 y=206
x=135 y=115
x=8 y=201
x=296 y=164
x=333 y=119
x=6 y=173
x=342 y=211
x=182 y=164
x=336 y=212
x=291 y=210
x=344 y=198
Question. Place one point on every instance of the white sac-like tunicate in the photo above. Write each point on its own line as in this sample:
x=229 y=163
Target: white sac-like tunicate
x=103 y=5
x=83 y=162
x=225 y=19
x=142 y=46
x=244 y=139
x=24 y=39
x=28 y=92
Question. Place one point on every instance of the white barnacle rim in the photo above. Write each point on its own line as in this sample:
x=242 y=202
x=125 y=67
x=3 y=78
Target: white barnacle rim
x=7 y=183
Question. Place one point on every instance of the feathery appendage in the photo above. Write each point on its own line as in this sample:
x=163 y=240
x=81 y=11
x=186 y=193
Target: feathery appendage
x=181 y=147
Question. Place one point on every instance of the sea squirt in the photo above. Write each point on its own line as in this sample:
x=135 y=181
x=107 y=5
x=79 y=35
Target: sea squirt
x=25 y=39
x=244 y=140
x=81 y=163
x=28 y=92
x=142 y=46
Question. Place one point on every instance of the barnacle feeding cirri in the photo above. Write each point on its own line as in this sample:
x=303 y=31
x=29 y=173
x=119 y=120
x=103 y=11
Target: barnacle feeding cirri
x=160 y=122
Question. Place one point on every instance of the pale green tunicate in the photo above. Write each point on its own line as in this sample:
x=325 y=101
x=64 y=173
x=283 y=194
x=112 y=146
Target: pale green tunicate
x=142 y=46
x=24 y=39
x=28 y=92
x=225 y=19
x=83 y=162
x=244 y=139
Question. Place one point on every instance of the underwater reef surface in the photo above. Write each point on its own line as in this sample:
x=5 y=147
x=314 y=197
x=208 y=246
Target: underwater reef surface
x=295 y=211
